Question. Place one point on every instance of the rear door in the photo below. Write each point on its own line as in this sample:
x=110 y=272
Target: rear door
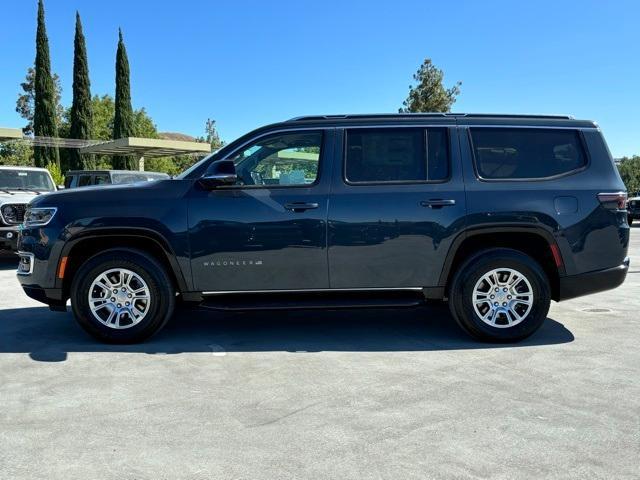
x=268 y=232
x=397 y=202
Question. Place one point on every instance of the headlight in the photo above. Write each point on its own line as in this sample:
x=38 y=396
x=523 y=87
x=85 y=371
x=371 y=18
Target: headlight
x=38 y=217
x=10 y=214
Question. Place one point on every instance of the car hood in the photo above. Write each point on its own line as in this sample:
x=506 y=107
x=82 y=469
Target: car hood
x=16 y=197
x=114 y=195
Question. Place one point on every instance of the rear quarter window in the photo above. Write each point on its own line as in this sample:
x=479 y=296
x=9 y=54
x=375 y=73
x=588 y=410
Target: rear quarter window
x=526 y=153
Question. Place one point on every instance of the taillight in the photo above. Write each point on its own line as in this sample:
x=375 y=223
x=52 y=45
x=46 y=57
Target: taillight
x=613 y=201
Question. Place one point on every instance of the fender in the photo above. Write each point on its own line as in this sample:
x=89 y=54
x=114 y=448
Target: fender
x=490 y=229
x=135 y=232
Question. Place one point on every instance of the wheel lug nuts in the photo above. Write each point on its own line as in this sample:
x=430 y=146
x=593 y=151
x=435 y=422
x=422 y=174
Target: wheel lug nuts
x=497 y=289
x=124 y=289
x=493 y=296
x=504 y=304
x=504 y=289
x=129 y=295
x=496 y=304
x=509 y=297
x=113 y=299
x=127 y=304
x=115 y=291
x=119 y=305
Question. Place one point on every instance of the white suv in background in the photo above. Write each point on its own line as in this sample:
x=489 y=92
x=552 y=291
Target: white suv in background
x=18 y=185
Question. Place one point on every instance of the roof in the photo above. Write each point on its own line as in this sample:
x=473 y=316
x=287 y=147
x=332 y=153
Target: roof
x=443 y=119
x=92 y=172
x=10 y=134
x=32 y=169
x=147 y=147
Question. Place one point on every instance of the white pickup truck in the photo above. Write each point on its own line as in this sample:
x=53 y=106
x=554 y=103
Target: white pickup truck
x=18 y=185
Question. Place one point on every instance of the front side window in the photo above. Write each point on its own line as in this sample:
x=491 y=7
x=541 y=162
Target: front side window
x=286 y=159
x=397 y=155
x=519 y=153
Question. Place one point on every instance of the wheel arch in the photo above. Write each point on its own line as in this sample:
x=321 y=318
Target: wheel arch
x=533 y=241
x=86 y=245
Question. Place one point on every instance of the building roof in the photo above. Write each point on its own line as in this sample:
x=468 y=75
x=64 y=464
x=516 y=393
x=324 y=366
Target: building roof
x=10 y=134
x=146 y=147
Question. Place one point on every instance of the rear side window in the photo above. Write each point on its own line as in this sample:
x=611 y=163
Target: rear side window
x=519 y=153
x=380 y=155
x=85 y=180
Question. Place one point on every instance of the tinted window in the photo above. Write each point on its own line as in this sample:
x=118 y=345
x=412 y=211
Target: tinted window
x=284 y=159
x=101 y=179
x=84 y=181
x=397 y=155
x=526 y=153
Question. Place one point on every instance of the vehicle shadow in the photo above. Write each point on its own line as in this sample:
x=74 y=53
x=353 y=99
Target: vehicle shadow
x=49 y=336
x=8 y=261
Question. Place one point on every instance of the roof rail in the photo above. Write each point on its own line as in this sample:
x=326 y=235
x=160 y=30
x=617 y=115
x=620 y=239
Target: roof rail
x=423 y=115
x=365 y=115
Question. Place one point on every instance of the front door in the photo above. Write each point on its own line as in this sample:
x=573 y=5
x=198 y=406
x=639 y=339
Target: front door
x=269 y=231
x=397 y=203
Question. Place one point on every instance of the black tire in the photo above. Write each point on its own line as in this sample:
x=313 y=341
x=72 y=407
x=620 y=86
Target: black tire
x=160 y=286
x=470 y=273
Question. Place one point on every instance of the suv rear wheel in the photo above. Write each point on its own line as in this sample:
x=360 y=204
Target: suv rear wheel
x=500 y=295
x=122 y=296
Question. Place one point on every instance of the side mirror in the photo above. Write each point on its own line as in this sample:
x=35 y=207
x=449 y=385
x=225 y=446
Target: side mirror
x=221 y=173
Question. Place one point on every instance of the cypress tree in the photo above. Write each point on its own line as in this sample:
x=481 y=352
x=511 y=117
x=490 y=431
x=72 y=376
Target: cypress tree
x=123 y=119
x=81 y=111
x=44 y=115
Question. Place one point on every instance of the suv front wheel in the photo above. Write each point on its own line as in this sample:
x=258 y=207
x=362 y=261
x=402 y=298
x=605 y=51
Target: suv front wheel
x=122 y=296
x=500 y=295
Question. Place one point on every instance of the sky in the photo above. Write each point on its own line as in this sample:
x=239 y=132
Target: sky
x=248 y=63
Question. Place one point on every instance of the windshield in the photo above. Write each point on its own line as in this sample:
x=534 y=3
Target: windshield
x=26 y=180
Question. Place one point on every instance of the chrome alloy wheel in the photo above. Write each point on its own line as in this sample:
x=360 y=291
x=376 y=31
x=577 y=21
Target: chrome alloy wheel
x=503 y=297
x=119 y=298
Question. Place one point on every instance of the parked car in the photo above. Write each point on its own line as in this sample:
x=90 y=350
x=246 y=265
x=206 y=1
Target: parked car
x=633 y=207
x=498 y=214
x=18 y=185
x=86 y=178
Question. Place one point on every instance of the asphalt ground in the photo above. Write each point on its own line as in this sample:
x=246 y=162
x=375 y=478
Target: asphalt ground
x=397 y=394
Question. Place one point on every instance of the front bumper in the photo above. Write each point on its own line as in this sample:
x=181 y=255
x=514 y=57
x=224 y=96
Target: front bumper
x=593 y=282
x=9 y=238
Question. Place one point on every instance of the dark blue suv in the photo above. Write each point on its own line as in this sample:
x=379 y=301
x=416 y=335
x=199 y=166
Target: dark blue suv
x=498 y=214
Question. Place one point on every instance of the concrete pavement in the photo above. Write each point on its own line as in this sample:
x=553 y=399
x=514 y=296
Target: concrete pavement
x=369 y=394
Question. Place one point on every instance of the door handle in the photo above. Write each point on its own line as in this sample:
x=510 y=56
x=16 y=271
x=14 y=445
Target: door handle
x=437 y=203
x=300 y=206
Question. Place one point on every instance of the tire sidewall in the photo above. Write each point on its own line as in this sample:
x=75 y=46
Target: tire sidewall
x=160 y=290
x=482 y=264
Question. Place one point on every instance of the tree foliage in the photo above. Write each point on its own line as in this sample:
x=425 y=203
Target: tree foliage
x=18 y=153
x=44 y=116
x=123 y=119
x=81 y=115
x=25 y=105
x=429 y=94
x=629 y=169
